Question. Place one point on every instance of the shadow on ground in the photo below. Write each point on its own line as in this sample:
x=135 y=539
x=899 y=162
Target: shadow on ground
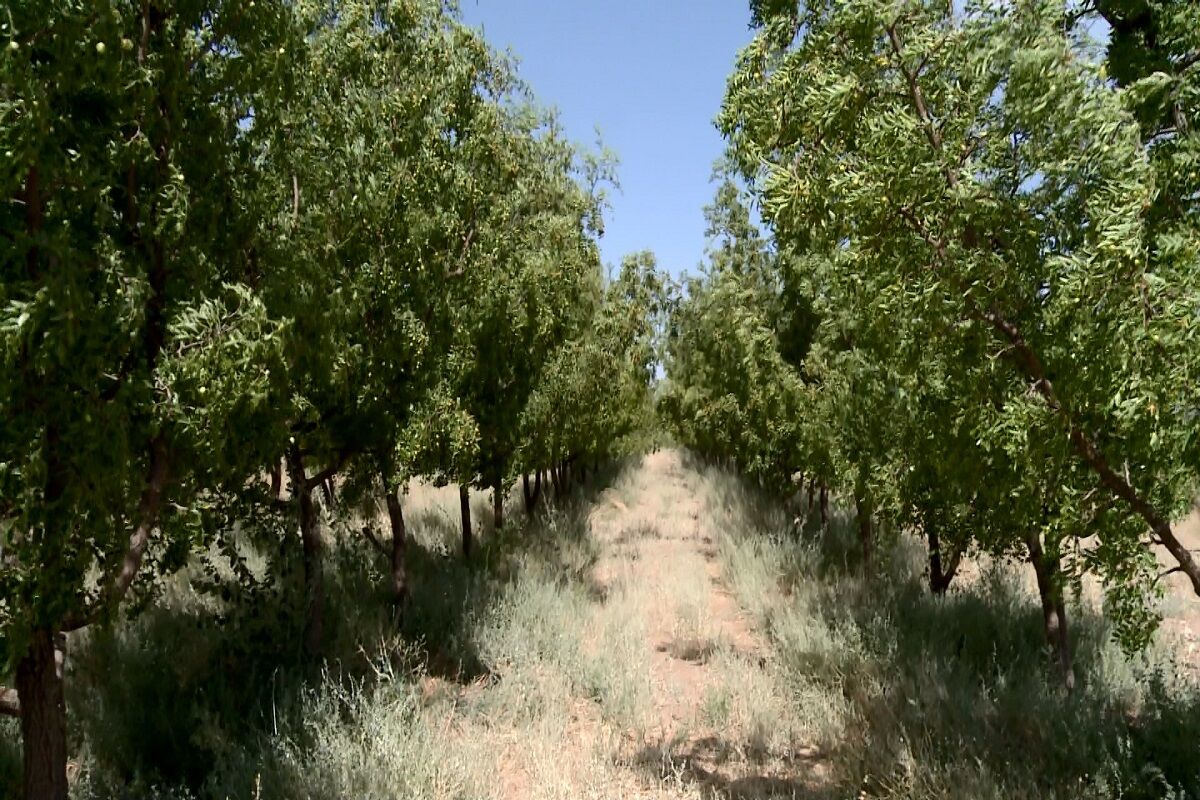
x=213 y=667
x=707 y=763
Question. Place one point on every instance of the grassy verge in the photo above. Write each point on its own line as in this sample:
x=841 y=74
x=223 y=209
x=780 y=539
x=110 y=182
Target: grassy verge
x=906 y=695
x=205 y=693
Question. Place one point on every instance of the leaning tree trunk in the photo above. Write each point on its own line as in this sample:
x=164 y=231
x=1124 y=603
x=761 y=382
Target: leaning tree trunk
x=43 y=720
x=399 y=545
x=1054 y=611
x=498 y=502
x=1028 y=359
x=310 y=538
x=464 y=506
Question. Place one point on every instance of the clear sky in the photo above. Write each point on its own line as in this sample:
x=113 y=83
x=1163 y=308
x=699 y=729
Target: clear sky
x=650 y=74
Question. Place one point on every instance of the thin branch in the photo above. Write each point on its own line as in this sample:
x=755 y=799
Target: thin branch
x=144 y=42
x=945 y=37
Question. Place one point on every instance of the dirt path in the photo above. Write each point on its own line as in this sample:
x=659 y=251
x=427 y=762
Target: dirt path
x=660 y=550
x=711 y=719
x=647 y=681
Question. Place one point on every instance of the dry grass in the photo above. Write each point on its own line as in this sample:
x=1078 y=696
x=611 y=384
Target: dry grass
x=905 y=695
x=666 y=632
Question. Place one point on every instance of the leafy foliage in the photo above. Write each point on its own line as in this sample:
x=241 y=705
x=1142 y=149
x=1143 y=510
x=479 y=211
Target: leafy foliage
x=998 y=244
x=233 y=233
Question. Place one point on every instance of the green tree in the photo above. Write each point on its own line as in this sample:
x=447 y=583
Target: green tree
x=536 y=295
x=969 y=175
x=381 y=203
x=594 y=393
x=140 y=363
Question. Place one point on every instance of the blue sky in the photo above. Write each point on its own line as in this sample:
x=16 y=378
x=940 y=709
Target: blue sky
x=650 y=74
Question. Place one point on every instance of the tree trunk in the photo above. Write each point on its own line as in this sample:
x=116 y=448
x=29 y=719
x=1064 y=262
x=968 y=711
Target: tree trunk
x=43 y=720
x=498 y=502
x=327 y=490
x=276 y=480
x=866 y=531
x=528 y=494
x=824 y=501
x=537 y=487
x=940 y=577
x=314 y=578
x=555 y=480
x=399 y=544
x=310 y=539
x=464 y=505
x=1054 y=612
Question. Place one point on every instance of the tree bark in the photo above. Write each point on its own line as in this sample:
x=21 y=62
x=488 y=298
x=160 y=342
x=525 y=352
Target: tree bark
x=310 y=539
x=276 y=481
x=866 y=532
x=555 y=480
x=532 y=496
x=464 y=505
x=498 y=502
x=1054 y=612
x=43 y=720
x=399 y=546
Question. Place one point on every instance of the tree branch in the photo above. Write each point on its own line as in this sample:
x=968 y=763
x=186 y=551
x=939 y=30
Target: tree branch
x=374 y=540
x=1024 y=355
x=327 y=473
x=117 y=585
